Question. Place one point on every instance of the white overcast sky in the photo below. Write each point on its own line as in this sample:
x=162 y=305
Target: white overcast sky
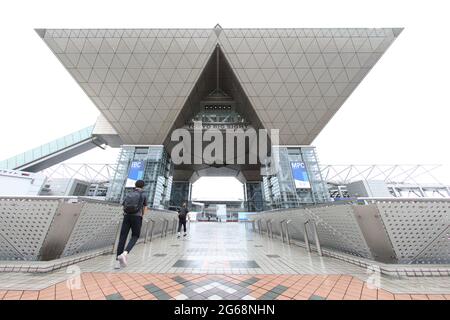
x=400 y=114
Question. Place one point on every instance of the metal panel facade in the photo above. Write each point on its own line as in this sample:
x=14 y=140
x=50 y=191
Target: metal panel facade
x=295 y=79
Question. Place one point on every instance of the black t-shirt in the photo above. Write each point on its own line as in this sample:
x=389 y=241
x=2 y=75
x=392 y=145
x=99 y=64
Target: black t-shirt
x=144 y=197
x=182 y=215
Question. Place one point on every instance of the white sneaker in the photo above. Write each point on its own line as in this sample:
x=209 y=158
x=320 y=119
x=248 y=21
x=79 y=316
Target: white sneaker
x=178 y=235
x=185 y=234
x=123 y=260
x=117 y=264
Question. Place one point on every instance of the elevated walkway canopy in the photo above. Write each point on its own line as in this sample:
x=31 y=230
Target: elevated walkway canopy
x=53 y=152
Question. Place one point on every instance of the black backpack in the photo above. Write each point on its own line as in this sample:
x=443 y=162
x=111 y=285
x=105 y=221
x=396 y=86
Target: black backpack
x=182 y=213
x=133 y=202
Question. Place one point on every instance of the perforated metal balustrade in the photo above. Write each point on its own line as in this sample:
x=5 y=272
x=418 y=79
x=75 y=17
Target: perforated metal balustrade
x=47 y=228
x=391 y=230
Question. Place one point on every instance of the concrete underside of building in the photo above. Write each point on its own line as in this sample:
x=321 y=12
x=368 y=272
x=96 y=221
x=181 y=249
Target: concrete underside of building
x=147 y=83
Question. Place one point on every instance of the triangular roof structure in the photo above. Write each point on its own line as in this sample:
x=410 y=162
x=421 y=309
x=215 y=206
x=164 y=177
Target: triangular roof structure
x=295 y=79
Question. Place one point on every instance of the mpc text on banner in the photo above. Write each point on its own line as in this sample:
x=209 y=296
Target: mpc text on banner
x=135 y=173
x=300 y=175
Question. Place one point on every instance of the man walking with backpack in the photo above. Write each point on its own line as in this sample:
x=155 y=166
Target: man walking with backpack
x=182 y=216
x=134 y=207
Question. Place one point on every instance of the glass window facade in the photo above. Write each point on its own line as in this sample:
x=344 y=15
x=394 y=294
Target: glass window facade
x=280 y=189
x=254 y=196
x=219 y=117
x=181 y=192
x=157 y=174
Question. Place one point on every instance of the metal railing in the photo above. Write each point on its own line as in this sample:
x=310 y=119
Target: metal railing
x=284 y=230
x=44 y=228
x=152 y=222
x=380 y=229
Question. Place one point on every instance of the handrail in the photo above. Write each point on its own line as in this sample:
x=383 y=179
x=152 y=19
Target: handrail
x=86 y=199
x=81 y=198
x=259 y=226
x=269 y=228
x=174 y=226
x=404 y=199
x=284 y=229
x=78 y=199
x=316 y=237
x=357 y=201
x=288 y=236
x=151 y=232
x=116 y=238
x=305 y=234
x=165 y=227
x=281 y=230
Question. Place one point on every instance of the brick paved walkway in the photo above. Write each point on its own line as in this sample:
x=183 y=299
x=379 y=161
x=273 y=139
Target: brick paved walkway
x=138 y=286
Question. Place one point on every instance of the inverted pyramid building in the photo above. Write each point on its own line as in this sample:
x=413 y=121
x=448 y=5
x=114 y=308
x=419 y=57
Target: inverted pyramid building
x=140 y=79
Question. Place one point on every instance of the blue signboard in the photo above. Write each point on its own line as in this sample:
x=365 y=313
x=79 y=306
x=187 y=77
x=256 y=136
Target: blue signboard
x=300 y=175
x=244 y=216
x=135 y=173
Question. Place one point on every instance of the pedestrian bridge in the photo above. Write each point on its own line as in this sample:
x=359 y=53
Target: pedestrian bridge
x=53 y=152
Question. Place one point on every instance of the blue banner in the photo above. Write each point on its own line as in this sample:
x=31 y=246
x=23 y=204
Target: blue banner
x=135 y=173
x=300 y=175
x=244 y=216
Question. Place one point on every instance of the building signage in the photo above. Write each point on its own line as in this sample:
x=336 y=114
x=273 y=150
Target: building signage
x=135 y=173
x=300 y=175
x=220 y=126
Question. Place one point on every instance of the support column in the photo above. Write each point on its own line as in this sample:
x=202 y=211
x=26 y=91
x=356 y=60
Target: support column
x=181 y=192
x=253 y=196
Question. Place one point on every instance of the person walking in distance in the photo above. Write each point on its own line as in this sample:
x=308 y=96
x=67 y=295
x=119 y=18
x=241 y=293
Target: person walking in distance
x=182 y=216
x=134 y=208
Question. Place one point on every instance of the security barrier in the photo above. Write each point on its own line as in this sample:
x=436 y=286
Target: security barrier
x=387 y=230
x=48 y=228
